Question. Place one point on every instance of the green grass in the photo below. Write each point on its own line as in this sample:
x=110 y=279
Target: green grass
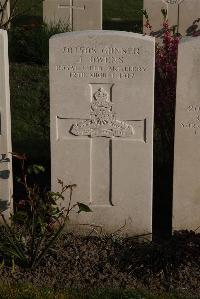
x=30 y=110
x=125 y=9
x=30 y=292
x=29 y=7
x=31 y=46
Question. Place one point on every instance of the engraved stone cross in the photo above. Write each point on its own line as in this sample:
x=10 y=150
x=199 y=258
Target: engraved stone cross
x=71 y=7
x=102 y=128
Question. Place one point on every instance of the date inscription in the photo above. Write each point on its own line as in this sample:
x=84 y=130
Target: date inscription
x=100 y=63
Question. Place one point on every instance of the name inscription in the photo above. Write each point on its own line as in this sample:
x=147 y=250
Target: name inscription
x=100 y=63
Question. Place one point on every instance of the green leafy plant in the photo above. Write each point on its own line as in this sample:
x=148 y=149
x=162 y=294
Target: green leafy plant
x=38 y=220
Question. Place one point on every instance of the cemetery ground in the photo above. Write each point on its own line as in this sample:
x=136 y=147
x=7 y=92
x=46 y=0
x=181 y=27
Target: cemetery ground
x=104 y=261
x=98 y=265
x=100 y=261
x=123 y=268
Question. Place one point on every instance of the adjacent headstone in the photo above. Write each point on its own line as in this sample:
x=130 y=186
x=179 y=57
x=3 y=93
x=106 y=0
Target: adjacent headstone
x=186 y=200
x=102 y=95
x=79 y=14
x=5 y=129
x=6 y=13
x=180 y=12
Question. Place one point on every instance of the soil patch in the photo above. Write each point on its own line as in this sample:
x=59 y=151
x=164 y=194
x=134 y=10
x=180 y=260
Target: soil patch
x=115 y=262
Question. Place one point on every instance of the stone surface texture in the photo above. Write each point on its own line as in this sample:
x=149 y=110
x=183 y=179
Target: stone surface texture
x=6 y=15
x=186 y=199
x=79 y=14
x=102 y=85
x=5 y=129
x=182 y=12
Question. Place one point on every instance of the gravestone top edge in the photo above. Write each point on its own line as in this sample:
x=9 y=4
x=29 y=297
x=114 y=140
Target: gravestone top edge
x=189 y=39
x=103 y=33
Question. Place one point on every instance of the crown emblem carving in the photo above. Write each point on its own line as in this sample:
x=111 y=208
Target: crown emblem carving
x=103 y=121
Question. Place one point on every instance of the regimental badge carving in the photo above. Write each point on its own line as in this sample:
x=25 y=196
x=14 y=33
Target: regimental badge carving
x=173 y=1
x=103 y=121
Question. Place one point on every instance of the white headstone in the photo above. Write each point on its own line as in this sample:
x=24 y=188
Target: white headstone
x=186 y=199
x=79 y=14
x=5 y=129
x=102 y=95
x=180 y=12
